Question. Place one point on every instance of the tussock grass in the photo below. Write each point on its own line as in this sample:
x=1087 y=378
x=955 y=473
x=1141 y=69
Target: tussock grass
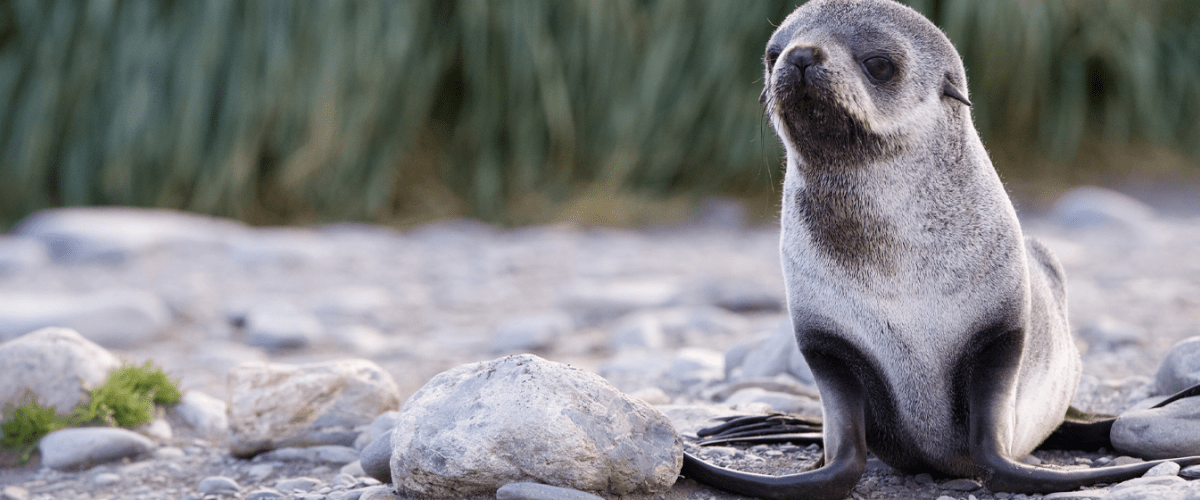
x=281 y=111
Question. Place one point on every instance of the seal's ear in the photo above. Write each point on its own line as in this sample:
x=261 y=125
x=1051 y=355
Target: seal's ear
x=951 y=91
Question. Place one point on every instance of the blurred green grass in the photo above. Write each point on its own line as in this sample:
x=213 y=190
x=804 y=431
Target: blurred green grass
x=293 y=111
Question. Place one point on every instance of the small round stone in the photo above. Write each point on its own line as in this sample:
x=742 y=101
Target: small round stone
x=264 y=494
x=105 y=479
x=216 y=485
x=1191 y=472
x=536 y=491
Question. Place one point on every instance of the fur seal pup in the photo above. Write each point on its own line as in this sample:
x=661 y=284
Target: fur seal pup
x=936 y=332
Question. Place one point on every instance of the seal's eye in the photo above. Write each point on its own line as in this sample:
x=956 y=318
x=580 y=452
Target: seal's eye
x=772 y=56
x=880 y=68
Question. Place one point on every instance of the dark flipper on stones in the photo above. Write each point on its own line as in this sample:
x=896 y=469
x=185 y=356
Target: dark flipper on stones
x=763 y=429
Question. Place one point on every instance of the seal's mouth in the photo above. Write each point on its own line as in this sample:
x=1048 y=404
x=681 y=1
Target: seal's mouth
x=822 y=129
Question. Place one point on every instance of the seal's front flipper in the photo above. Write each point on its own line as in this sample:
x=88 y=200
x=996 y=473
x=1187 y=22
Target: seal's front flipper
x=763 y=429
x=844 y=436
x=987 y=413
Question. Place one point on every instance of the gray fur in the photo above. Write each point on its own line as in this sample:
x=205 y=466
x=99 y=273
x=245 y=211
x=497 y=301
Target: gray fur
x=899 y=239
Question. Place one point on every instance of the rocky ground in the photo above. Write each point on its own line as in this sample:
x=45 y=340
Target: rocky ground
x=673 y=315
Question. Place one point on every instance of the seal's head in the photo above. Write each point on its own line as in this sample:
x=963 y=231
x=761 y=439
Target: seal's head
x=849 y=81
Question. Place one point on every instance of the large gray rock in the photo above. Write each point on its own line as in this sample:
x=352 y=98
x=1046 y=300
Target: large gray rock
x=56 y=365
x=113 y=318
x=83 y=447
x=480 y=426
x=275 y=405
x=1180 y=369
x=112 y=234
x=1167 y=432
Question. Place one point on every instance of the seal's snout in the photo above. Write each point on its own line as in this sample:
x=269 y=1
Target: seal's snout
x=803 y=57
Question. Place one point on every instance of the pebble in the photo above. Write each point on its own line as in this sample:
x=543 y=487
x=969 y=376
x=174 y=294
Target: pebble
x=961 y=485
x=1190 y=472
x=305 y=484
x=14 y=493
x=106 y=478
x=204 y=414
x=535 y=491
x=1088 y=207
x=531 y=333
x=81 y=447
x=264 y=494
x=1163 y=469
x=218 y=485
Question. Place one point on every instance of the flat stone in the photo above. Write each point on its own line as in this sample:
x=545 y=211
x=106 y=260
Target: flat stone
x=480 y=426
x=1108 y=333
x=1190 y=472
x=14 y=493
x=743 y=295
x=203 y=414
x=376 y=458
x=83 y=447
x=275 y=405
x=1090 y=206
x=106 y=478
x=354 y=468
x=637 y=331
x=596 y=302
x=1167 y=432
x=529 y=333
x=1180 y=369
x=118 y=317
x=298 y=483
x=697 y=364
x=218 y=485
x=1148 y=481
x=1163 y=469
x=57 y=365
x=777 y=354
x=116 y=234
x=385 y=422
x=19 y=254
x=778 y=401
x=264 y=494
x=330 y=454
x=276 y=326
x=378 y=493
x=535 y=491
x=1077 y=495
x=961 y=485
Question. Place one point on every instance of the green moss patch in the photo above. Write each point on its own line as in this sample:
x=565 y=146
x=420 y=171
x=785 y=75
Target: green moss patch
x=127 y=398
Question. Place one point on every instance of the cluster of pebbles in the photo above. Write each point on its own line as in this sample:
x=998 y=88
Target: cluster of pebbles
x=689 y=319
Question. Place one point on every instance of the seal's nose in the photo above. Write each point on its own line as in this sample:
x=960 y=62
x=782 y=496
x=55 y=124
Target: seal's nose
x=803 y=57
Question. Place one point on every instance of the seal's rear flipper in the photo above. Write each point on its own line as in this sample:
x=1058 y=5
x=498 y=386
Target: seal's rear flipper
x=1081 y=430
x=763 y=429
